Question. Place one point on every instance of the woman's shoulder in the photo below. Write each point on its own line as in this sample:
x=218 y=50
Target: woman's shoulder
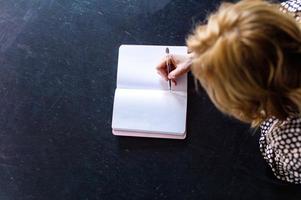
x=292 y=7
x=291 y=121
x=291 y=125
x=287 y=134
x=281 y=147
x=283 y=129
x=267 y=124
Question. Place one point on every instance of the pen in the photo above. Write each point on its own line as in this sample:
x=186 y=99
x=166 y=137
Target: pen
x=168 y=67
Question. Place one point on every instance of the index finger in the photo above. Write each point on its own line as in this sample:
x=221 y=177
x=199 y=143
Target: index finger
x=162 y=68
x=162 y=63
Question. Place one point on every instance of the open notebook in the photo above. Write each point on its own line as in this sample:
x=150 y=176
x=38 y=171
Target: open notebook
x=143 y=104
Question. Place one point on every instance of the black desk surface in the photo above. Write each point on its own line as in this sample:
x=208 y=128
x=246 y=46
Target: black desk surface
x=57 y=79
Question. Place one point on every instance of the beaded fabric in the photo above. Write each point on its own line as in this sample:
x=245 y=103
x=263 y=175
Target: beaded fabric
x=293 y=7
x=280 y=145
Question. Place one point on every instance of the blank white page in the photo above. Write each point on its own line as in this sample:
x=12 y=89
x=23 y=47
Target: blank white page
x=152 y=111
x=137 y=67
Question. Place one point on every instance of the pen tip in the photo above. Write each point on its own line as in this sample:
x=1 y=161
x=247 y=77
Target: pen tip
x=167 y=50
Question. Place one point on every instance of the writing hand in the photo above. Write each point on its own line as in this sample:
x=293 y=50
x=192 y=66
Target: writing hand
x=181 y=64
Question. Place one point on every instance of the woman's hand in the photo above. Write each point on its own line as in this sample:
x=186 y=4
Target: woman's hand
x=181 y=64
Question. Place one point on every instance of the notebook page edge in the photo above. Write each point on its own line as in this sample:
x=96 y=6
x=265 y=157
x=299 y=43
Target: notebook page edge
x=148 y=135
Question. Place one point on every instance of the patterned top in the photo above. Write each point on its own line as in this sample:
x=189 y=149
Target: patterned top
x=292 y=7
x=280 y=144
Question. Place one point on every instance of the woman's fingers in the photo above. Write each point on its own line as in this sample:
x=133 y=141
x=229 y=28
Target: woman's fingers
x=163 y=73
x=180 y=65
x=179 y=71
x=162 y=69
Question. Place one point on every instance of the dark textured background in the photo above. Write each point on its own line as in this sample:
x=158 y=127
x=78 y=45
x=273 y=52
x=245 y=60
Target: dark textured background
x=58 y=63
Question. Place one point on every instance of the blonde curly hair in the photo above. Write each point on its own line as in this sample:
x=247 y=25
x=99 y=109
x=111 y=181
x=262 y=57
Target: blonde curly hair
x=248 y=59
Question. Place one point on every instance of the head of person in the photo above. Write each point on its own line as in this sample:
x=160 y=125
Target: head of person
x=248 y=59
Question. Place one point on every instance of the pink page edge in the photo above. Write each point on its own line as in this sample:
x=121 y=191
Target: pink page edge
x=149 y=135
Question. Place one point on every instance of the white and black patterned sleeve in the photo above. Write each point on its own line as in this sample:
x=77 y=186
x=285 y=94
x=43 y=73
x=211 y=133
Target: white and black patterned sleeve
x=281 y=148
x=293 y=7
